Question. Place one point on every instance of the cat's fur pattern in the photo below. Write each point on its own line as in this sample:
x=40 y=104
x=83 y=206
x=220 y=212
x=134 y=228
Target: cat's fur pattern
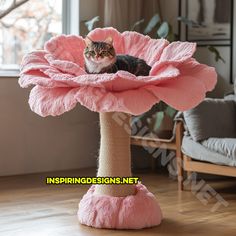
x=100 y=57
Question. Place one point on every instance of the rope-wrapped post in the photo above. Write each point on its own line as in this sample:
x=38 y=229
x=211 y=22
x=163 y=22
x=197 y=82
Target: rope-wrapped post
x=112 y=205
x=114 y=155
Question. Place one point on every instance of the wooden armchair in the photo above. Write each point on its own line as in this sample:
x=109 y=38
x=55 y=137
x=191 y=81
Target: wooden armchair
x=185 y=163
x=174 y=145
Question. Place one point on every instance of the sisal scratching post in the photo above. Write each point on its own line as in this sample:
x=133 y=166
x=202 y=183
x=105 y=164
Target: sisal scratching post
x=114 y=156
x=117 y=206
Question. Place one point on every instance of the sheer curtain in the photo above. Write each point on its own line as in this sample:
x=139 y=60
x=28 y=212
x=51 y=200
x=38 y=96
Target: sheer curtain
x=122 y=14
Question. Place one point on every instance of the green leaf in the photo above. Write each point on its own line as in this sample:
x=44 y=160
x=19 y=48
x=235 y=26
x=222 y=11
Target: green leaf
x=216 y=53
x=170 y=111
x=137 y=24
x=135 y=119
x=152 y=23
x=90 y=24
x=160 y=106
x=159 y=119
x=163 y=30
x=171 y=36
x=189 y=23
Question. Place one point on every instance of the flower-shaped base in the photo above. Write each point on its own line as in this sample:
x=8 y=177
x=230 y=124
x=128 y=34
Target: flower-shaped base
x=132 y=212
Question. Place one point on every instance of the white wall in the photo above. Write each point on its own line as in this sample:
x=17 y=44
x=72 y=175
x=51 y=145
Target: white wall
x=30 y=143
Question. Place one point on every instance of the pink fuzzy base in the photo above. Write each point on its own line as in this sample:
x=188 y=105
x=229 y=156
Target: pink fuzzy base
x=132 y=212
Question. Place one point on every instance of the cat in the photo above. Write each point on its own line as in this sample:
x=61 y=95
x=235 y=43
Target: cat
x=100 y=57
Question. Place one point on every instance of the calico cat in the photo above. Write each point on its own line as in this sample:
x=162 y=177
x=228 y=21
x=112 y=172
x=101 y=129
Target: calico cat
x=100 y=57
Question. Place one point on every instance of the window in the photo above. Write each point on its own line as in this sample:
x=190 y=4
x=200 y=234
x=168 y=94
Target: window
x=28 y=26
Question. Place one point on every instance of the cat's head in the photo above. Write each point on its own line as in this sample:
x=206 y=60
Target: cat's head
x=100 y=52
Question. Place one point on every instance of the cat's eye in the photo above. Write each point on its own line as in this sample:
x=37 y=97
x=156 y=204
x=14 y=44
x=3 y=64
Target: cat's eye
x=104 y=53
x=92 y=53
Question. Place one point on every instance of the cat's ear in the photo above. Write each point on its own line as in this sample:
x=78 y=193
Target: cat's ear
x=109 y=40
x=88 y=41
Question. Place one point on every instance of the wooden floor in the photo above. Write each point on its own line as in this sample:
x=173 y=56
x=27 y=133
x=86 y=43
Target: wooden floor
x=29 y=207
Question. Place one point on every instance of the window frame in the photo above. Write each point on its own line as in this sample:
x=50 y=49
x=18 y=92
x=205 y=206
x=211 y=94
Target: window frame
x=70 y=25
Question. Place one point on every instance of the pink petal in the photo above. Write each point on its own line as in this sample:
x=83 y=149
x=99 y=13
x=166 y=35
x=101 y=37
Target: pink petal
x=52 y=101
x=67 y=48
x=65 y=66
x=201 y=72
x=178 y=51
x=56 y=101
x=166 y=71
x=174 y=54
x=130 y=101
x=143 y=47
x=181 y=93
x=57 y=75
x=123 y=80
x=26 y=80
x=34 y=61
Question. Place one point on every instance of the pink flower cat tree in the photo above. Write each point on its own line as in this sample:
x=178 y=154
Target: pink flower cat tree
x=61 y=82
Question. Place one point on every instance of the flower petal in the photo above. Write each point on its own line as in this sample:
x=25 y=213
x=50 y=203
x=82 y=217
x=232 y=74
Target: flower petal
x=166 y=71
x=178 y=51
x=55 y=74
x=65 y=66
x=123 y=80
x=34 y=61
x=130 y=101
x=67 y=48
x=56 y=101
x=26 y=80
x=202 y=72
x=174 y=54
x=52 y=101
x=143 y=47
x=181 y=93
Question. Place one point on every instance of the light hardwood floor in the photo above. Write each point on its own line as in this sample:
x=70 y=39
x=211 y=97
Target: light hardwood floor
x=29 y=207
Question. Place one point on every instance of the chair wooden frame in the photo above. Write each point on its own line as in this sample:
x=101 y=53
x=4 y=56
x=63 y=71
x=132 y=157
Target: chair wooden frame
x=190 y=165
x=174 y=145
x=184 y=163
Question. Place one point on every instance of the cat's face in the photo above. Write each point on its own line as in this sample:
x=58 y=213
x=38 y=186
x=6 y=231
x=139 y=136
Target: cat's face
x=100 y=52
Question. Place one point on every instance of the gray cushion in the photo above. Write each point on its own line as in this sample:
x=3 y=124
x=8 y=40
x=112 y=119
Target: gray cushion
x=199 y=152
x=230 y=97
x=224 y=146
x=212 y=118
